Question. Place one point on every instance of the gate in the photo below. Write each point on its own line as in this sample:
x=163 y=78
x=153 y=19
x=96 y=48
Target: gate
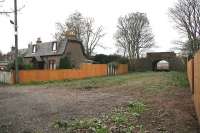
x=6 y=77
x=112 y=69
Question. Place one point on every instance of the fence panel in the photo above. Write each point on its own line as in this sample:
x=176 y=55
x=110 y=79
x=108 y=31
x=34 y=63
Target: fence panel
x=94 y=70
x=85 y=71
x=6 y=77
x=193 y=70
x=122 y=69
x=197 y=84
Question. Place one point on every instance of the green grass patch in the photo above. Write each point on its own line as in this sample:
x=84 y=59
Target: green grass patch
x=179 y=79
x=150 y=81
x=91 y=125
x=163 y=80
x=88 y=83
x=136 y=107
x=119 y=120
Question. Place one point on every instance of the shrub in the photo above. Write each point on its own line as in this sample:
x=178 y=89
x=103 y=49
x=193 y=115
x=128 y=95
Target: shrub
x=136 y=107
x=105 y=59
x=22 y=65
x=119 y=120
x=65 y=63
x=28 y=66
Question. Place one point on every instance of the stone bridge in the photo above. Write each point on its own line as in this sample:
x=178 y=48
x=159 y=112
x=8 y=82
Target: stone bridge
x=150 y=62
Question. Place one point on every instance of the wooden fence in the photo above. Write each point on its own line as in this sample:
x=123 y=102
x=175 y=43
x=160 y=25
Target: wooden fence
x=193 y=70
x=85 y=71
x=6 y=77
x=122 y=69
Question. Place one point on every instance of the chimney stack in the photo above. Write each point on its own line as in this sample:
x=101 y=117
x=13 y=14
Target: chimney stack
x=38 y=40
x=12 y=48
x=70 y=35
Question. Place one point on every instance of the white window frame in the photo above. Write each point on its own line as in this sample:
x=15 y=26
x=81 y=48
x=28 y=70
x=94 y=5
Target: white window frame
x=52 y=64
x=34 y=50
x=54 y=46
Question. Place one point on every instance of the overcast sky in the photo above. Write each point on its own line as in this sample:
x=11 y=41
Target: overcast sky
x=38 y=19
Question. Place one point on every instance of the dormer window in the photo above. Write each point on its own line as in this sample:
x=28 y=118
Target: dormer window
x=54 y=46
x=34 y=49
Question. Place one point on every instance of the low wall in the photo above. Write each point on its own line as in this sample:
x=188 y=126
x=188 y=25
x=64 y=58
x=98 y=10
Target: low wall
x=6 y=77
x=85 y=71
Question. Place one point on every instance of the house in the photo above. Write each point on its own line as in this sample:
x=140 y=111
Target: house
x=3 y=65
x=47 y=55
x=10 y=56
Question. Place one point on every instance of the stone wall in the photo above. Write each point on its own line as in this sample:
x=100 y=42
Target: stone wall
x=150 y=62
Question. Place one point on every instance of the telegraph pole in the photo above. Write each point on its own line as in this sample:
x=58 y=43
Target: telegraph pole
x=16 y=37
x=16 y=43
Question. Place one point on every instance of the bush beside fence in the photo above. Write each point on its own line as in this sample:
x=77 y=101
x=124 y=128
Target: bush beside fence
x=193 y=70
x=190 y=74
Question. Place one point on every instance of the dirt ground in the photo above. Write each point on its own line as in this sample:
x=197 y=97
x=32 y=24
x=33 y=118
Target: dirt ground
x=33 y=109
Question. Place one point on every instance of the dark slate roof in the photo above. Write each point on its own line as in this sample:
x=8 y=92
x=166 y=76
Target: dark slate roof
x=45 y=49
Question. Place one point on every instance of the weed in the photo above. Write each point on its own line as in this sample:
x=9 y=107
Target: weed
x=119 y=120
x=136 y=108
x=92 y=125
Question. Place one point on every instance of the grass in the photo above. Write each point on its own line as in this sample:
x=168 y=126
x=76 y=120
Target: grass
x=179 y=79
x=160 y=81
x=121 y=119
x=164 y=80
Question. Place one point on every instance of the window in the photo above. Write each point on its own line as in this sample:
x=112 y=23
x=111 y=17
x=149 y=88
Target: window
x=52 y=64
x=34 y=49
x=54 y=46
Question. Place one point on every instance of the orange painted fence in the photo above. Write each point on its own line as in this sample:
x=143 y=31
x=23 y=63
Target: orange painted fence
x=193 y=70
x=122 y=69
x=85 y=71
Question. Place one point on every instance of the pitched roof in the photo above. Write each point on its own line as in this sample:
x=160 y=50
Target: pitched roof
x=45 y=49
x=21 y=52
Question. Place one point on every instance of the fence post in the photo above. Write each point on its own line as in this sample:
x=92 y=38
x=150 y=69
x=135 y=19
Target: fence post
x=192 y=62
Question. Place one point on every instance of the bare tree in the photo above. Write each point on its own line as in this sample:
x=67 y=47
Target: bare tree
x=7 y=12
x=84 y=29
x=186 y=16
x=134 y=35
x=91 y=37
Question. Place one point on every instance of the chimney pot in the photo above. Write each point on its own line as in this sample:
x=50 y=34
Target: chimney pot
x=39 y=40
x=12 y=48
x=71 y=35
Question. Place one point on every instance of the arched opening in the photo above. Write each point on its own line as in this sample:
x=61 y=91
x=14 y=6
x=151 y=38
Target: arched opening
x=162 y=65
